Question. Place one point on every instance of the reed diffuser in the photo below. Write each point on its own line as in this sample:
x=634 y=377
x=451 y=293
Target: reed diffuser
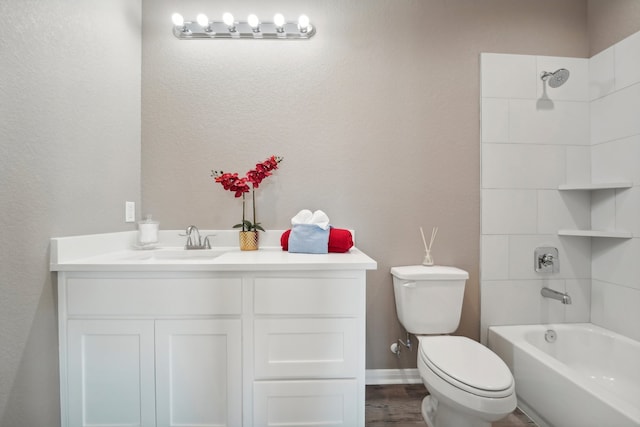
x=428 y=259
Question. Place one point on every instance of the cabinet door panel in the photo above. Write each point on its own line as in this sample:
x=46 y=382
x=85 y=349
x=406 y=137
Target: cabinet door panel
x=306 y=403
x=198 y=372
x=306 y=348
x=110 y=373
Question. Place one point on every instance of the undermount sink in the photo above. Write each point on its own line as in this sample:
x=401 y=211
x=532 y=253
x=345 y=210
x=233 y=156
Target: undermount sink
x=181 y=253
x=173 y=254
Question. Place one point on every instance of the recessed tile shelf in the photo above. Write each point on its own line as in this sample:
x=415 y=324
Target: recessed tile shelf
x=616 y=234
x=596 y=233
x=595 y=186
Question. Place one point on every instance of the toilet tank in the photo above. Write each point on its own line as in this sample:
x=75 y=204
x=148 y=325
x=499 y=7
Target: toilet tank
x=429 y=299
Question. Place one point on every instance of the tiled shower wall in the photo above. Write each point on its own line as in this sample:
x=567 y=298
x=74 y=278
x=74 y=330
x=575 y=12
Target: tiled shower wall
x=615 y=156
x=535 y=138
x=532 y=141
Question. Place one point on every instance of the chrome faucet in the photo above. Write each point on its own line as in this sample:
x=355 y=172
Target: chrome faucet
x=194 y=241
x=560 y=296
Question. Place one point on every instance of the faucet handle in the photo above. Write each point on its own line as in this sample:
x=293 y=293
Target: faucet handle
x=206 y=243
x=545 y=260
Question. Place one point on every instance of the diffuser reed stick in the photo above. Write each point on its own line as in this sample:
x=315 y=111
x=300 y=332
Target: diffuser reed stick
x=428 y=259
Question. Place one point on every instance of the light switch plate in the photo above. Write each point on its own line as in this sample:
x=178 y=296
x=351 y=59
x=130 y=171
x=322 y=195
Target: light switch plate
x=129 y=211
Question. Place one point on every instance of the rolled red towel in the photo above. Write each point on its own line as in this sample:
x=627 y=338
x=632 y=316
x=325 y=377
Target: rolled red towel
x=340 y=240
x=284 y=240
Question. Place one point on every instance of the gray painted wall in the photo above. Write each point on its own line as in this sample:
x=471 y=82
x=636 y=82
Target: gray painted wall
x=69 y=158
x=611 y=21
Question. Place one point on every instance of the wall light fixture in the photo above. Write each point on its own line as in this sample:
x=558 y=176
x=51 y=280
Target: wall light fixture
x=252 y=28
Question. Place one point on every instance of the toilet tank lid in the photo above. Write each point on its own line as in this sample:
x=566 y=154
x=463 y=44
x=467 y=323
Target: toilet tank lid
x=434 y=272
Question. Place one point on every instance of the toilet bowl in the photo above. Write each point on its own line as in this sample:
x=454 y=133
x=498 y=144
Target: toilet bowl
x=468 y=384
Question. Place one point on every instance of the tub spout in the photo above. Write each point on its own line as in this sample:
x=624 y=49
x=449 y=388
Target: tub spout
x=560 y=296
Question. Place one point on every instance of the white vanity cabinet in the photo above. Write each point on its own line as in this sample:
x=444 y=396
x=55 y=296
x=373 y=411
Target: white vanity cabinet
x=239 y=339
x=142 y=349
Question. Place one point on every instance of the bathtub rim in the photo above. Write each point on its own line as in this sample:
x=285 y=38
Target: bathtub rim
x=514 y=335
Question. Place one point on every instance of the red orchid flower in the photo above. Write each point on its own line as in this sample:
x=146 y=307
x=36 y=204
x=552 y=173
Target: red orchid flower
x=240 y=186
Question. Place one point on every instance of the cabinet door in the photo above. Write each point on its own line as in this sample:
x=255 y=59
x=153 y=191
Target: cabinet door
x=110 y=365
x=198 y=372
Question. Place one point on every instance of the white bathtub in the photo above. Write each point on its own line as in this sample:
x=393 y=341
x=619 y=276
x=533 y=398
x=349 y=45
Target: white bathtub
x=588 y=377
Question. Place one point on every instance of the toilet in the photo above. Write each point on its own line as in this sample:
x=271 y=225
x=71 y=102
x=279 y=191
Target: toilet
x=468 y=384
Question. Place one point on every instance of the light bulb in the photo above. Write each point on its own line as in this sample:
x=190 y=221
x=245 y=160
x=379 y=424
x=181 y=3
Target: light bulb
x=278 y=20
x=203 y=20
x=227 y=18
x=177 y=19
x=303 y=23
x=253 y=22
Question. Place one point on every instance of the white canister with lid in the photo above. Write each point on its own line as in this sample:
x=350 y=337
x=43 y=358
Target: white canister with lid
x=148 y=232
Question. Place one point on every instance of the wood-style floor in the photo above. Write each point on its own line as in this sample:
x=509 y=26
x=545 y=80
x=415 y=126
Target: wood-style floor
x=399 y=406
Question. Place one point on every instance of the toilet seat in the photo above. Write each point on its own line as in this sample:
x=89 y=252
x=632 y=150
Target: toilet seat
x=467 y=365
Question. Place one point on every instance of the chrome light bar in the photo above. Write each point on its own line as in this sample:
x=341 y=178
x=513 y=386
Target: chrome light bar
x=252 y=28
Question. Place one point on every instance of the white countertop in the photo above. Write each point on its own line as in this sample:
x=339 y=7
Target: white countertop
x=117 y=252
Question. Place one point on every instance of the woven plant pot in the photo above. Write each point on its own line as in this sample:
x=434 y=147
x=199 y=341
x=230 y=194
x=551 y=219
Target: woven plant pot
x=248 y=240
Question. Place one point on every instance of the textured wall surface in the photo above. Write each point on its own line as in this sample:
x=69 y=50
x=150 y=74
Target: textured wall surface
x=69 y=158
x=611 y=21
x=377 y=117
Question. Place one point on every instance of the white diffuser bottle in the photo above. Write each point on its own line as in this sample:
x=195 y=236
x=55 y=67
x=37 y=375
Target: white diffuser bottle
x=148 y=233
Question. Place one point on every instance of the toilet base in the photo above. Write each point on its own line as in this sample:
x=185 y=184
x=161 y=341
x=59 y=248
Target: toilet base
x=437 y=414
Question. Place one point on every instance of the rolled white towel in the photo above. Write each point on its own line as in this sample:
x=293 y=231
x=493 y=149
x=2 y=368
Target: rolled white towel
x=320 y=219
x=305 y=216
x=302 y=217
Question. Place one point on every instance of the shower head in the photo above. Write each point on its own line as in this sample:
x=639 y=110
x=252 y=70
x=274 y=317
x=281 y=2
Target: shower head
x=557 y=78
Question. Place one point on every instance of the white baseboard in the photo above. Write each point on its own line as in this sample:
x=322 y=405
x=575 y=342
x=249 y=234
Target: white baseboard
x=392 y=376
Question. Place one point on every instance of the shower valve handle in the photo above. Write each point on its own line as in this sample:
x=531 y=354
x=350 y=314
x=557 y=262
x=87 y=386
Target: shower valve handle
x=545 y=260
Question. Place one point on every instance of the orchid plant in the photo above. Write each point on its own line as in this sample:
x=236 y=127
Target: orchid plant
x=248 y=183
